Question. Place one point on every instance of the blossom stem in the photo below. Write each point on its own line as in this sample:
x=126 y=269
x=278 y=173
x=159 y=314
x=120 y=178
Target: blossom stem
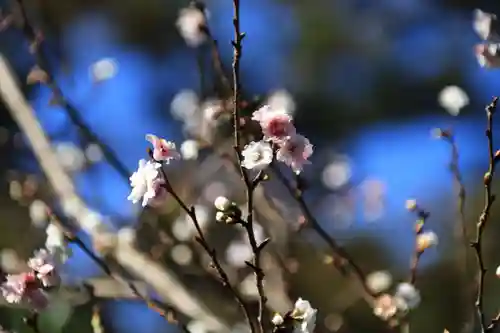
x=201 y=239
x=342 y=259
x=58 y=96
x=483 y=217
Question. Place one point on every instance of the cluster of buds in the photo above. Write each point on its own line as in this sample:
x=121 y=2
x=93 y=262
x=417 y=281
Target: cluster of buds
x=393 y=308
x=227 y=211
x=302 y=319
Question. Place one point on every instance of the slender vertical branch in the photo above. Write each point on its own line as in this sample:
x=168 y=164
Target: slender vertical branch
x=201 y=239
x=249 y=184
x=72 y=112
x=483 y=218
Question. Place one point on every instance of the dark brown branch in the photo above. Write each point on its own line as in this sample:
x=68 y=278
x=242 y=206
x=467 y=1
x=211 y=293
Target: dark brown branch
x=250 y=185
x=58 y=96
x=342 y=260
x=201 y=239
x=164 y=310
x=483 y=218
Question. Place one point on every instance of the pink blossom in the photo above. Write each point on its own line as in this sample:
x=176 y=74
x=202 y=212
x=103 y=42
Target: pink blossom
x=488 y=55
x=24 y=286
x=44 y=266
x=277 y=126
x=163 y=150
x=295 y=152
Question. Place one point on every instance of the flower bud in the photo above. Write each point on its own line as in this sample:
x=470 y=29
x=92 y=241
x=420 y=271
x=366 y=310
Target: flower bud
x=426 y=240
x=222 y=203
x=220 y=217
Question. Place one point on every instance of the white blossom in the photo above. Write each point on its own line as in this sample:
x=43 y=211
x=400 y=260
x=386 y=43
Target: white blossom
x=222 y=203
x=257 y=155
x=191 y=23
x=453 y=99
x=103 y=69
x=488 y=55
x=277 y=319
x=306 y=314
x=409 y=294
x=142 y=182
x=189 y=149
x=486 y=25
x=426 y=240
x=379 y=281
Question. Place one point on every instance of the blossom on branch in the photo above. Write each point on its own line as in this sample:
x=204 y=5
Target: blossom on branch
x=163 y=150
x=145 y=182
x=257 y=155
x=295 y=152
x=24 y=287
x=192 y=23
x=306 y=315
x=486 y=25
x=43 y=264
x=276 y=125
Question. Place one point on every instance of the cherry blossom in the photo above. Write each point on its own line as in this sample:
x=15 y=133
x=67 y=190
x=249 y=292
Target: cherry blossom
x=163 y=150
x=295 y=152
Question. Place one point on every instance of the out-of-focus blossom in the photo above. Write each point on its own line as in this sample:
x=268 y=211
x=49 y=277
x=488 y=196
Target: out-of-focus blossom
x=70 y=156
x=163 y=150
x=306 y=314
x=453 y=99
x=103 y=69
x=142 y=182
x=10 y=261
x=56 y=244
x=189 y=149
x=185 y=104
x=94 y=153
x=126 y=235
x=488 y=55
x=387 y=307
x=237 y=253
x=409 y=294
x=486 y=26
x=38 y=213
x=45 y=267
x=222 y=203
x=425 y=240
x=257 y=155
x=192 y=23
x=295 y=152
x=24 y=286
x=282 y=99
x=277 y=319
x=379 y=281
x=337 y=174
x=182 y=254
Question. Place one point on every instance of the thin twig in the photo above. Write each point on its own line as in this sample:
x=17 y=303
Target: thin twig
x=342 y=259
x=58 y=96
x=201 y=239
x=166 y=311
x=483 y=218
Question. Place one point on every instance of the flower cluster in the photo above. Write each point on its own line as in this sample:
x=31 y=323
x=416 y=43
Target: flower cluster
x=147 y=185
x=32 y=286
x=392 y=308
x=488 y=28
x=302 y=319
x=280 y=139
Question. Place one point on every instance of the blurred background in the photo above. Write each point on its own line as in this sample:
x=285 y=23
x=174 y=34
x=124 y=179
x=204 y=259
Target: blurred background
x=365 y=80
